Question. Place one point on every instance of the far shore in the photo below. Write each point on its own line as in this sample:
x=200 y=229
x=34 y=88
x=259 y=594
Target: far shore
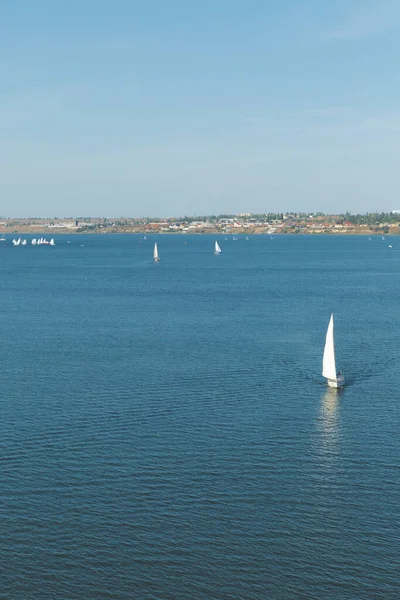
x=52 y=233
x=232 y=225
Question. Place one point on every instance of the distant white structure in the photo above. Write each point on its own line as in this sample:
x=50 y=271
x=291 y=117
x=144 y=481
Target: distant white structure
x=396 y=211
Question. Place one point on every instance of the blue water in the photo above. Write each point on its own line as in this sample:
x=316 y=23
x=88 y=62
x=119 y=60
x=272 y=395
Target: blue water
x=165 y=432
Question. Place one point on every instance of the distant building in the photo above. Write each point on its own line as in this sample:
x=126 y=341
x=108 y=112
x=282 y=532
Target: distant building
x=396 y=211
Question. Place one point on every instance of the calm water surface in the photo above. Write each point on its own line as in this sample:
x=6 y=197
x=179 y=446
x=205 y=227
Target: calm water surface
x=165 y=432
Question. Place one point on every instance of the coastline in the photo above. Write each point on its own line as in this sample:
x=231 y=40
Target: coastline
x=208 y=232
x=370 y=224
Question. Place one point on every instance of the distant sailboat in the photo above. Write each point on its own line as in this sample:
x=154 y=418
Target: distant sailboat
x=24 y=243
x=335 y=379
x=155 y=253
x=52 y=242
x=217 y=249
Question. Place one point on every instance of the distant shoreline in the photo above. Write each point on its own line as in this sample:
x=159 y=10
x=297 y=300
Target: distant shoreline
x=229 y=224
x=63 y=232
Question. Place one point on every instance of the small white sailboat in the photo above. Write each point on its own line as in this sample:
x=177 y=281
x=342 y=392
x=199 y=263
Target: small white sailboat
x=335 y=379
x=155 y=253
x=33 y=242
x=217 y=249
x=24 y=243
x=52 y=242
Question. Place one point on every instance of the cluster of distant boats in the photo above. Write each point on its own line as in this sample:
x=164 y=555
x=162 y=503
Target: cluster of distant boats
x=34 y=242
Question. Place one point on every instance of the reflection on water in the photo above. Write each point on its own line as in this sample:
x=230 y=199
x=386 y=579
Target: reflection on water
x=330 y=408
x=330 y=422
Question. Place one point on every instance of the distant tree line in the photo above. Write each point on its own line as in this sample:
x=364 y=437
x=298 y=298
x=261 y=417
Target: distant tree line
x=371 y=218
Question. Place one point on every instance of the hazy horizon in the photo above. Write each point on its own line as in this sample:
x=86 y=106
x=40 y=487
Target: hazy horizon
x=187 y=216
x=180 y=109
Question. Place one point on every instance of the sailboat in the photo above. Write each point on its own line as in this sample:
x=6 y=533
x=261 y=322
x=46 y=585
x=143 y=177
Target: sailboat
x=335 y=379
x=217 y=249
x=155 y=253
x=52 y=242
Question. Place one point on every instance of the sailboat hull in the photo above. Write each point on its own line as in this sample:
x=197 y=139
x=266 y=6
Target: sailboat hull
x=336 y=383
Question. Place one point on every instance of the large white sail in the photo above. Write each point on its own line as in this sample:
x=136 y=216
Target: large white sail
x=217 y=248
x=155 y=253
x=329 y=361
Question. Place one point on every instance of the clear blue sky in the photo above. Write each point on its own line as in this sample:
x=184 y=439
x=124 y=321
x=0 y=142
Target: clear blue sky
x=172 y=107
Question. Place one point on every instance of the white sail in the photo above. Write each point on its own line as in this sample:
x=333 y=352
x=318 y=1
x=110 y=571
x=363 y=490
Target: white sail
x=329 y=361
x=155 y=253
x=217 y=248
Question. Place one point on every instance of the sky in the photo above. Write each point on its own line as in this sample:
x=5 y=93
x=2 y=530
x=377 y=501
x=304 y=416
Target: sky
x=178 y=107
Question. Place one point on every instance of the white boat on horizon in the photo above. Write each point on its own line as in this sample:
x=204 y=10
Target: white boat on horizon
x=217 y=249
x=335 y=379
x=52 y=242
x=155 y=253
